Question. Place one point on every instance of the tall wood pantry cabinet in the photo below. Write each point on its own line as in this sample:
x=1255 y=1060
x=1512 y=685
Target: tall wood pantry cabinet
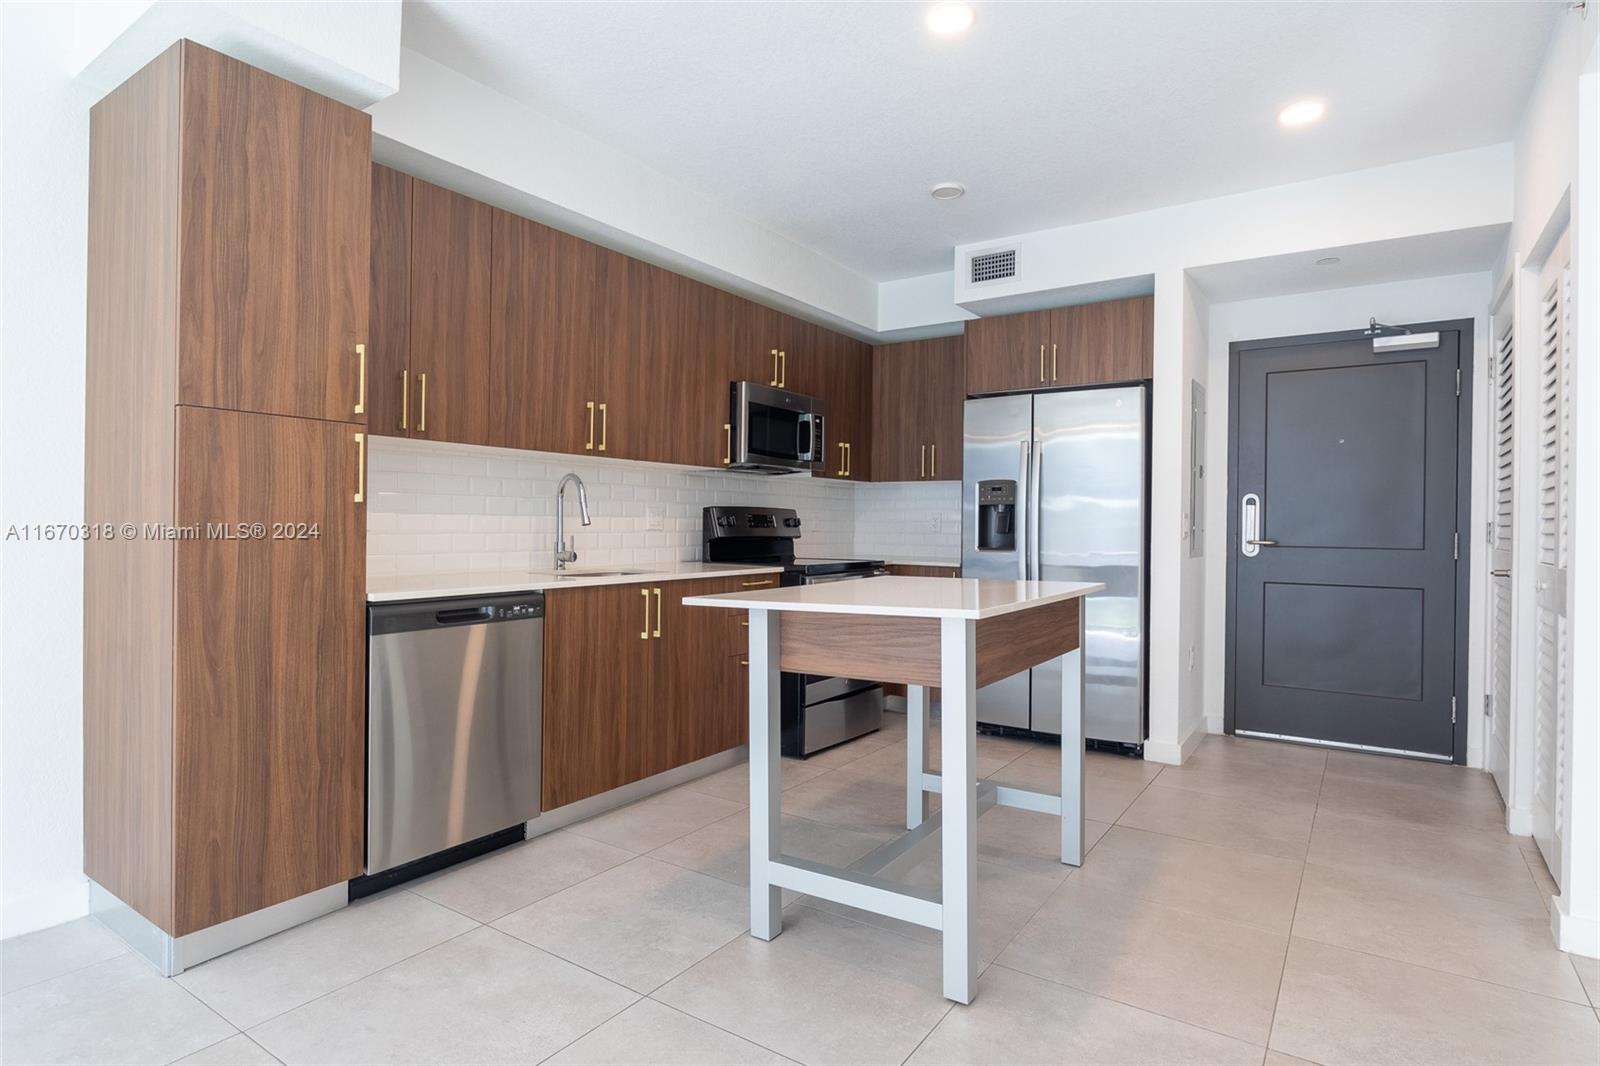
x=226 y=409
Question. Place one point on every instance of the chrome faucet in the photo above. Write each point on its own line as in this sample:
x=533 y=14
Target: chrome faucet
x=564 y=554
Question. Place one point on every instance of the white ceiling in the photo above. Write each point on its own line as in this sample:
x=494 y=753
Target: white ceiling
x=829 y=121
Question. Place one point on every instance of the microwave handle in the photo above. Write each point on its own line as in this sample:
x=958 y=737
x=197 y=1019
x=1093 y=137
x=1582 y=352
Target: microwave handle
x=816 y=426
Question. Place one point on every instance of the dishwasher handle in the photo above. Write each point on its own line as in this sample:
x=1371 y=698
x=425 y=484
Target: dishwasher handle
x=409 y=616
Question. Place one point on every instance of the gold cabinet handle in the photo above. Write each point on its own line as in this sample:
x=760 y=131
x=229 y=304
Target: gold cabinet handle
x=849 y=457
x=405 y=396
x=602 y=445
x=783 y=369
x=774 y=381
x=727 y=443
x=361 y=468
x=933 y=461
x=361 y=387
x=841 y=460
x=744 y=662
x=657 y=633
x=588 y=445
x=1041 y=362
x=923 y=470
x=1053 y=363
x=644 y=634
x=756 y=584
x=422 y=419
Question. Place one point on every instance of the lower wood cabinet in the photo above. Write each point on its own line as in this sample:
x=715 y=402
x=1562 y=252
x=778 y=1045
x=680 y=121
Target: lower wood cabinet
x=636 y=684
x=916 y=570
x=224 y=743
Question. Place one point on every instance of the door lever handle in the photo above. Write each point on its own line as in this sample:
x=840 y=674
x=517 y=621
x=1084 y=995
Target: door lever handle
x=1500 y=573
x=1262 y=543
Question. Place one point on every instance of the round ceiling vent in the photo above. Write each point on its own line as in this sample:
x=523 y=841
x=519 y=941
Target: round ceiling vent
x=948 y=190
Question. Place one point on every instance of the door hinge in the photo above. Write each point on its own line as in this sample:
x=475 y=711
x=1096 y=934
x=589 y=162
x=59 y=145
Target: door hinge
x=1455 y=545
x=1452 y=710
x=1458 y=381
x=1488 y=705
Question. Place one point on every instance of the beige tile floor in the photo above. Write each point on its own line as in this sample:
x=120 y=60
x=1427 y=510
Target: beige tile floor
x=1263 y=903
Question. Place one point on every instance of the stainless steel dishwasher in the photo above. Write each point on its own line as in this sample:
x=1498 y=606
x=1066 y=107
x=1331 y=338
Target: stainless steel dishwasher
x=453 y=723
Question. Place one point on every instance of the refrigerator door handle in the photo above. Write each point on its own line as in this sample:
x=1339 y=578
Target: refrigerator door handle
x=1025 y=507
x=1035 y=507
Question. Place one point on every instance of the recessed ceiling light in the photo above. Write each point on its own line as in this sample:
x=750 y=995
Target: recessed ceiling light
x=1327 y=261
x=1302 y=113
x=949 y=20
x=948 y=190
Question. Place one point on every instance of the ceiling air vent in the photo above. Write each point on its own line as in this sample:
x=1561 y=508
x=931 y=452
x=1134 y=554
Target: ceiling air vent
x=994 y=266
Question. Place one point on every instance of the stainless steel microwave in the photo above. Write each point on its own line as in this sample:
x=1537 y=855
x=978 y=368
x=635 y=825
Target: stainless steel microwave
x=773 y=431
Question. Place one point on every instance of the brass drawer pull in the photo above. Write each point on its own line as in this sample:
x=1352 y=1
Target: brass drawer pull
x=657 y=633
x=603 y=420
x=405 y=397
x=361 y=468
x=783 y=369
x=756 y=584
x=774 y=381
x=1053 y=363
x=1041 y=362
x=923 y=471
x=644 y=634
x=361 y=389
x=422 y=419
x=588 y=445
x=933 y=461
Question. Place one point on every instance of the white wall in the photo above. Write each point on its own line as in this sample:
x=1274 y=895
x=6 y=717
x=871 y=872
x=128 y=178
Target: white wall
x=44 y=190
x=909 y=522
x=438 y=507
x=1425 y=300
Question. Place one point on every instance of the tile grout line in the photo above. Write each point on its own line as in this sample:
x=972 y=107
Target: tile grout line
x=690 y=1014
x=1294 y=914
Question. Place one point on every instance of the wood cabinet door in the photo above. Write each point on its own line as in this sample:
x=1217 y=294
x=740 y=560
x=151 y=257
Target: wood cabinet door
x=599 y=666
x=269 y=716
x=546 y=335
x=758 y=334
x=275 y=187
x=450 y=253
x=1105 y=342
x=696 y=712
x=674 y=368
x=896 y=406
x=844 y=382
x=390 y=399
x=1008 y=353
x=942 y=377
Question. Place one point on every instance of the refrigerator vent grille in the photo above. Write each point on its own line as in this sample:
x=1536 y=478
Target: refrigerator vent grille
x=994 y=266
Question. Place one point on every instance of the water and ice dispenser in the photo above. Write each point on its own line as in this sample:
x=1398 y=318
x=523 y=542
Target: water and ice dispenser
x=997 y=516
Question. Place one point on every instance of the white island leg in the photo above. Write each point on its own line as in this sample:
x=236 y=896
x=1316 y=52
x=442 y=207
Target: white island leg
x=958 y=750
x=916 y=754
x=1072 y=750
x=766 y=899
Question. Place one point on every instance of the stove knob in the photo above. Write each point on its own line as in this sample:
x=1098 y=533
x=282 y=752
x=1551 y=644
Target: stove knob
x=726 y=520
x=792 y=523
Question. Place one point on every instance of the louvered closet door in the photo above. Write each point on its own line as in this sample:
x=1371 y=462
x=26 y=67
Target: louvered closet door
x=1502 y=377
x=1551 y=530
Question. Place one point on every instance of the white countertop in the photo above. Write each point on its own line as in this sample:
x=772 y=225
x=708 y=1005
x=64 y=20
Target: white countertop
x=489 y=582
x=901 y=560
x=906 y=597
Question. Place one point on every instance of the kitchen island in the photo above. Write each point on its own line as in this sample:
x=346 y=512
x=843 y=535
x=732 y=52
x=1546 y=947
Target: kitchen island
x=952 y=633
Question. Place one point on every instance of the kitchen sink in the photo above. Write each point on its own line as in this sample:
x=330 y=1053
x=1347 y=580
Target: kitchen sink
x=577 y=573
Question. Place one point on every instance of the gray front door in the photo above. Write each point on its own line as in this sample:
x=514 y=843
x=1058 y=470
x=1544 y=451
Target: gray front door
x=1344 y=612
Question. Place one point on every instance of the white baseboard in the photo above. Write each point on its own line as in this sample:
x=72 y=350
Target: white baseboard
x=1519 y=821
x=1165 y=751
x=64 y=901
x=1575 y=933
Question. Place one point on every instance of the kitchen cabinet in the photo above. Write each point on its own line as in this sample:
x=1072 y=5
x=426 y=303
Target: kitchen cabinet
x=389 y=305
x=451 y=236
x=917 y=570
x=272 y=250
x=1089 y=344
x=636 y=684
x=223 y=717
x=917 y=396
x=844 y=383
x=269 y=692
x=770 y=347
x=549 y=335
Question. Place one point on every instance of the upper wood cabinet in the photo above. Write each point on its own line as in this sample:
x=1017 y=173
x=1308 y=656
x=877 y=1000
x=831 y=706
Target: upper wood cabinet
x=272 y=248
x=917 y=394
x=550 y=333
x=451 y=237
x=663 y=698
x=389 y=409
x=841 y=373
x=1089 y=344
x=769 y=347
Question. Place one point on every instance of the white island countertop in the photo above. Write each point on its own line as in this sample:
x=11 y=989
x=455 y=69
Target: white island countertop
x=395 y=587
x=905 y=597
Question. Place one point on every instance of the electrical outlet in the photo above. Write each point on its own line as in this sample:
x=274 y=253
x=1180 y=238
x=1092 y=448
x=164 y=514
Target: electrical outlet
x=936 y=523
x=654 y=518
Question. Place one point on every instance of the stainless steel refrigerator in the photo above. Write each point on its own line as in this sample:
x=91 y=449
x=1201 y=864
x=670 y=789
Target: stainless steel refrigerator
x=1055 y=486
